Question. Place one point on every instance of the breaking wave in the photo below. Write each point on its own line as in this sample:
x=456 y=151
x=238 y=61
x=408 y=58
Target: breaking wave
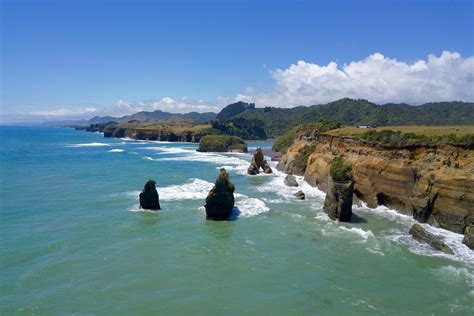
x=197 y=189
x=94 y=144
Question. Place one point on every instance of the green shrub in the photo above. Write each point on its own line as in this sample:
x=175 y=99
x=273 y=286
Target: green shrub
x=340 y=171
x=283 y=142
x=301 y=159
x=286 y=140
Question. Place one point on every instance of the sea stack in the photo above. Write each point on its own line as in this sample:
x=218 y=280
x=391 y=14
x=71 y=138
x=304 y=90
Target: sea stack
x=338 y=201
x=149 y=199
x=220 y=200
x=259 y=161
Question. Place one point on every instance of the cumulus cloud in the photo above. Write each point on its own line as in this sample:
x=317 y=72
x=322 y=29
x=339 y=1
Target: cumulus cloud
x=377 y=78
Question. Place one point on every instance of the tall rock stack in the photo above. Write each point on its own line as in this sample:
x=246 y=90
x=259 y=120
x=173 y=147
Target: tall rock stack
x=149 y=199
x=338 y=202
x=220 y=200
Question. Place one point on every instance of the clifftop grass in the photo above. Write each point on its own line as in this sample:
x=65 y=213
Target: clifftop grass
x=389 y=138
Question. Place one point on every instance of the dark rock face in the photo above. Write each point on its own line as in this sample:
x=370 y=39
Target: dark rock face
x=338 y=202
x=469 y=237
x=300 y=195
x=420 y=234
x=290 y=181
x=149 y=199
x=259 y=161
x=220 y=200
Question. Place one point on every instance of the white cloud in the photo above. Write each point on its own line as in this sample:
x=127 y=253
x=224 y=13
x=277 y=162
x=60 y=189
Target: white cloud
x=377 y=78
x=66 y=112
x=167 y=104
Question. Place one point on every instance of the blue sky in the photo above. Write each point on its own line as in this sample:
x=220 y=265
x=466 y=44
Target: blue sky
x=76 y=55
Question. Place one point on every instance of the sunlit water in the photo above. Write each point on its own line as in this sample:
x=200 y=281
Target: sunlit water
x=73 y=239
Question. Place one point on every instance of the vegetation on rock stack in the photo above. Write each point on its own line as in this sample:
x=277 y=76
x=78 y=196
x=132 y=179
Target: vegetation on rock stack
x=221 y=143
x=340 y=171
x=285 y=140
x=224 y=175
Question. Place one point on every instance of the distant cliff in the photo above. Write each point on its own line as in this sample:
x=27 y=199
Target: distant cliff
x=433 y=183
x=160 y=133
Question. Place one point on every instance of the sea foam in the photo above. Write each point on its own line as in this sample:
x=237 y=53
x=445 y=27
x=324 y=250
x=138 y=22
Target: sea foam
x=94 y=144
x=197 y=189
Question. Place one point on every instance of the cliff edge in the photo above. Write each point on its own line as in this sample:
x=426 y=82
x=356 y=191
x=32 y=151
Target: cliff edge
x=432 y=183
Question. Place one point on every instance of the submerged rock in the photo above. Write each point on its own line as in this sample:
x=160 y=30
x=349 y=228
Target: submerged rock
x=149 y=199
x=300 y=195
x=420 y=234
x=468 y=239
x=220 y=200
x=259 y=161
x=290 y=181
x=338 y=201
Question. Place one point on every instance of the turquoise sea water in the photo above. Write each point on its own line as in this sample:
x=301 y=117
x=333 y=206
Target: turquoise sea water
x=74 y=241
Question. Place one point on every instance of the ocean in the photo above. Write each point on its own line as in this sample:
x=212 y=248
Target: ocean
x=73 y=239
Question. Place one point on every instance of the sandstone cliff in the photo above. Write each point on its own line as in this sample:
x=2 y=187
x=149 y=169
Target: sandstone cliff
x=160 y=134
x=435 y=184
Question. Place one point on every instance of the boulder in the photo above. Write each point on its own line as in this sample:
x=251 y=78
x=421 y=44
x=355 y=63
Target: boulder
x=290 y=181
x=338 y=201
x=276 y=158
x=420 y=234
x=300 y=195
x=220 y=200
x=259 y=161
x=468 y=239
x=149 y=199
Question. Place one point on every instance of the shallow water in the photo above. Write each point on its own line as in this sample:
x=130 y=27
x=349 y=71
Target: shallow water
x=74 y=241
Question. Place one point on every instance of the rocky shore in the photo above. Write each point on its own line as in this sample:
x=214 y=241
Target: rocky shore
x=434 y=184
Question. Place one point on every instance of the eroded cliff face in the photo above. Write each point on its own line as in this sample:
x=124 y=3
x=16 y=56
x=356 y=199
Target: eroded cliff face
x=152 y=134
x=435 y=184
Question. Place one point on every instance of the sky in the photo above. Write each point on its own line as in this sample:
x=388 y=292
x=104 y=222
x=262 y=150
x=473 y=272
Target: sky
x=76 y=59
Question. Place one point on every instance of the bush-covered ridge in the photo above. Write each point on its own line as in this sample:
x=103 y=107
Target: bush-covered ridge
x=243 y=128
x=284 y=141
x=362 y=112
x=389 y=138
x=221 y=143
